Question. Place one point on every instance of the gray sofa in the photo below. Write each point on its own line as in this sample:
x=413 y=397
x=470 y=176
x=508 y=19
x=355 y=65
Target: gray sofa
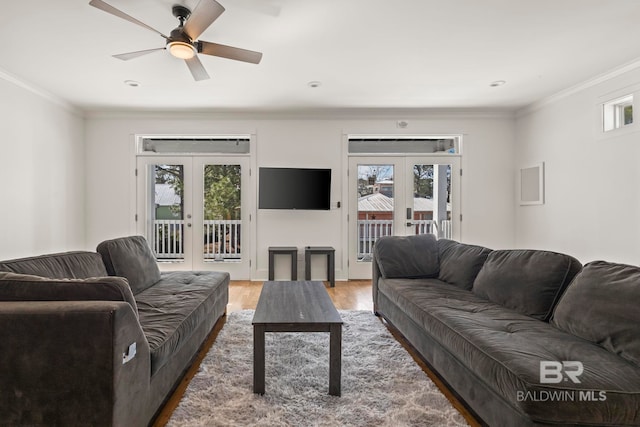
x=99 y=339
x=523 y=337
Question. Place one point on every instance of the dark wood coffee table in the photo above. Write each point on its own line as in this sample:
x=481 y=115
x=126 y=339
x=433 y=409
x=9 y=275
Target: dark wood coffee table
x=296 y=307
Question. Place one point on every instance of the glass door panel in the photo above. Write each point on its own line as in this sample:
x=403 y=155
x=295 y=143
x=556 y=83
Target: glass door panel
x=222 y=212
x=434 y=197
x=167 y=235
x=164 y=209
x=375 y=206
x=431 y=200
x=192 y=211
x=400 y=196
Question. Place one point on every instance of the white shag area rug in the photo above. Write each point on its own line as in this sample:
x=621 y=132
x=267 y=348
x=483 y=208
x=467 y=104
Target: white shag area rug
x=381 y=384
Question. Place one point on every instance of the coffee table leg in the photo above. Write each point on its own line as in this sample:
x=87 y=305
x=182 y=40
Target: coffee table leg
x=335 y=359
x=258 y=359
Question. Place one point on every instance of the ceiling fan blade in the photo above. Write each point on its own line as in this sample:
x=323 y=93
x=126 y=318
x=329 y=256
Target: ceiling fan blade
x=133 y=55
x=120 y=14
x=197 y=69
x=202 y=16
x=229 y=52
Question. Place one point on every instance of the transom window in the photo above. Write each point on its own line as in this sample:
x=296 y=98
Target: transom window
x=618 y=113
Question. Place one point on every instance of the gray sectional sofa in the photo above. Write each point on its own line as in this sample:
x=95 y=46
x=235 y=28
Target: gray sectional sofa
x=99 y=339
x=524 y=337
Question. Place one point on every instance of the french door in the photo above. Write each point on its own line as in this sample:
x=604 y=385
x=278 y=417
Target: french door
x=194 y=212
x=400 y=196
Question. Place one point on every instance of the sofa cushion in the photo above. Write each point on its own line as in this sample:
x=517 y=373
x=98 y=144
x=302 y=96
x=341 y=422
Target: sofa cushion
x=527 y=281
x=408 y=257
x=67 y=265
x=503 y=349
x=460 y=263
x=601 y=305
x=130 y=257
x=24 y=287
x=174 y=307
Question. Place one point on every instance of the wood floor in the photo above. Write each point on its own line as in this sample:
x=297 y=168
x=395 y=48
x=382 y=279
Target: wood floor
x=351 y=295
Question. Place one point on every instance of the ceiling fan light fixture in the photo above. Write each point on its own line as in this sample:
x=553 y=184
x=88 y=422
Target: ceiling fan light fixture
x=182 y=50
x=183 y=43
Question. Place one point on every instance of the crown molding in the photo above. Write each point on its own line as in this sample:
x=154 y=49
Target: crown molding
x=308 y=114
x=48 y=96
x=594 y=81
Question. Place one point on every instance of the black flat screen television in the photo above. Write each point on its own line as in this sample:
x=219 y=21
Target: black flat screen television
x=294 y=188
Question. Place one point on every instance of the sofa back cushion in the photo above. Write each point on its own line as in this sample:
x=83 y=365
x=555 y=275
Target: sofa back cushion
x=25 y=287
x=601 y=306
x=67 y=265
x=460 y=263
x=527 y=281
x=407 y=257
x=130 y=257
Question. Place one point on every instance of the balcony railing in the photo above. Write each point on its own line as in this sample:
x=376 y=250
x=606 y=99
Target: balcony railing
x=369 y=231
x=168 y=239
x=221 y=239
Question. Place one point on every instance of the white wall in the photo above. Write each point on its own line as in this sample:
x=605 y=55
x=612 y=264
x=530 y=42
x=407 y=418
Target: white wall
x=42 y=173
x=592 y=180
x=487 y=184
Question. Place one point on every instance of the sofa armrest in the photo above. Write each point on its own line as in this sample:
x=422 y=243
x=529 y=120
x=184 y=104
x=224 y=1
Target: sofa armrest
x=62 y=364
x=25 y=287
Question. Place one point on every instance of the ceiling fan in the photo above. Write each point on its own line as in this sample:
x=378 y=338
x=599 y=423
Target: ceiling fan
x=182 y=41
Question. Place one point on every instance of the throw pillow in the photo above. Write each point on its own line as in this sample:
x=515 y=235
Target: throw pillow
x=130 y=257
x=527 y=281
x=601 y=305
x=407 y=257
x=460 y=263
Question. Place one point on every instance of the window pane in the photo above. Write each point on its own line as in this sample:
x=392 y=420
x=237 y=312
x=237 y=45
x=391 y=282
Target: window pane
x=222 y=212
x=628 y=114
x=239 y=145
x=432 y=200
x=403 y=145
x=375 y=206
x=168 y=221
x=617 y=113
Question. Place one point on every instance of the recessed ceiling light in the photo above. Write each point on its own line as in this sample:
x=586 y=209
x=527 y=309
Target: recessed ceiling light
x=132 y=83
x=314 y=83
x=497 y=83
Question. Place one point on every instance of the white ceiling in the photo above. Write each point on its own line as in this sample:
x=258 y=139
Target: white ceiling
x=366 y=53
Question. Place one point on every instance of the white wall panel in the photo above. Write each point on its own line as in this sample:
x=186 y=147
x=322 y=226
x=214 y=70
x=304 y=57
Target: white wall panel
x=42 y=174
x=592 y=180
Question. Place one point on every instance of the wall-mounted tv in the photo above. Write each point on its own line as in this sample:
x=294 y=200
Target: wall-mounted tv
x=294 y=188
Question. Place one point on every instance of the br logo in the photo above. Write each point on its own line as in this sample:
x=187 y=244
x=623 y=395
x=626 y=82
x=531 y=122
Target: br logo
x=552 y=372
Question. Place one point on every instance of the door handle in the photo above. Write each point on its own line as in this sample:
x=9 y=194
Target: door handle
x=188 y=224
x=409 y=224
